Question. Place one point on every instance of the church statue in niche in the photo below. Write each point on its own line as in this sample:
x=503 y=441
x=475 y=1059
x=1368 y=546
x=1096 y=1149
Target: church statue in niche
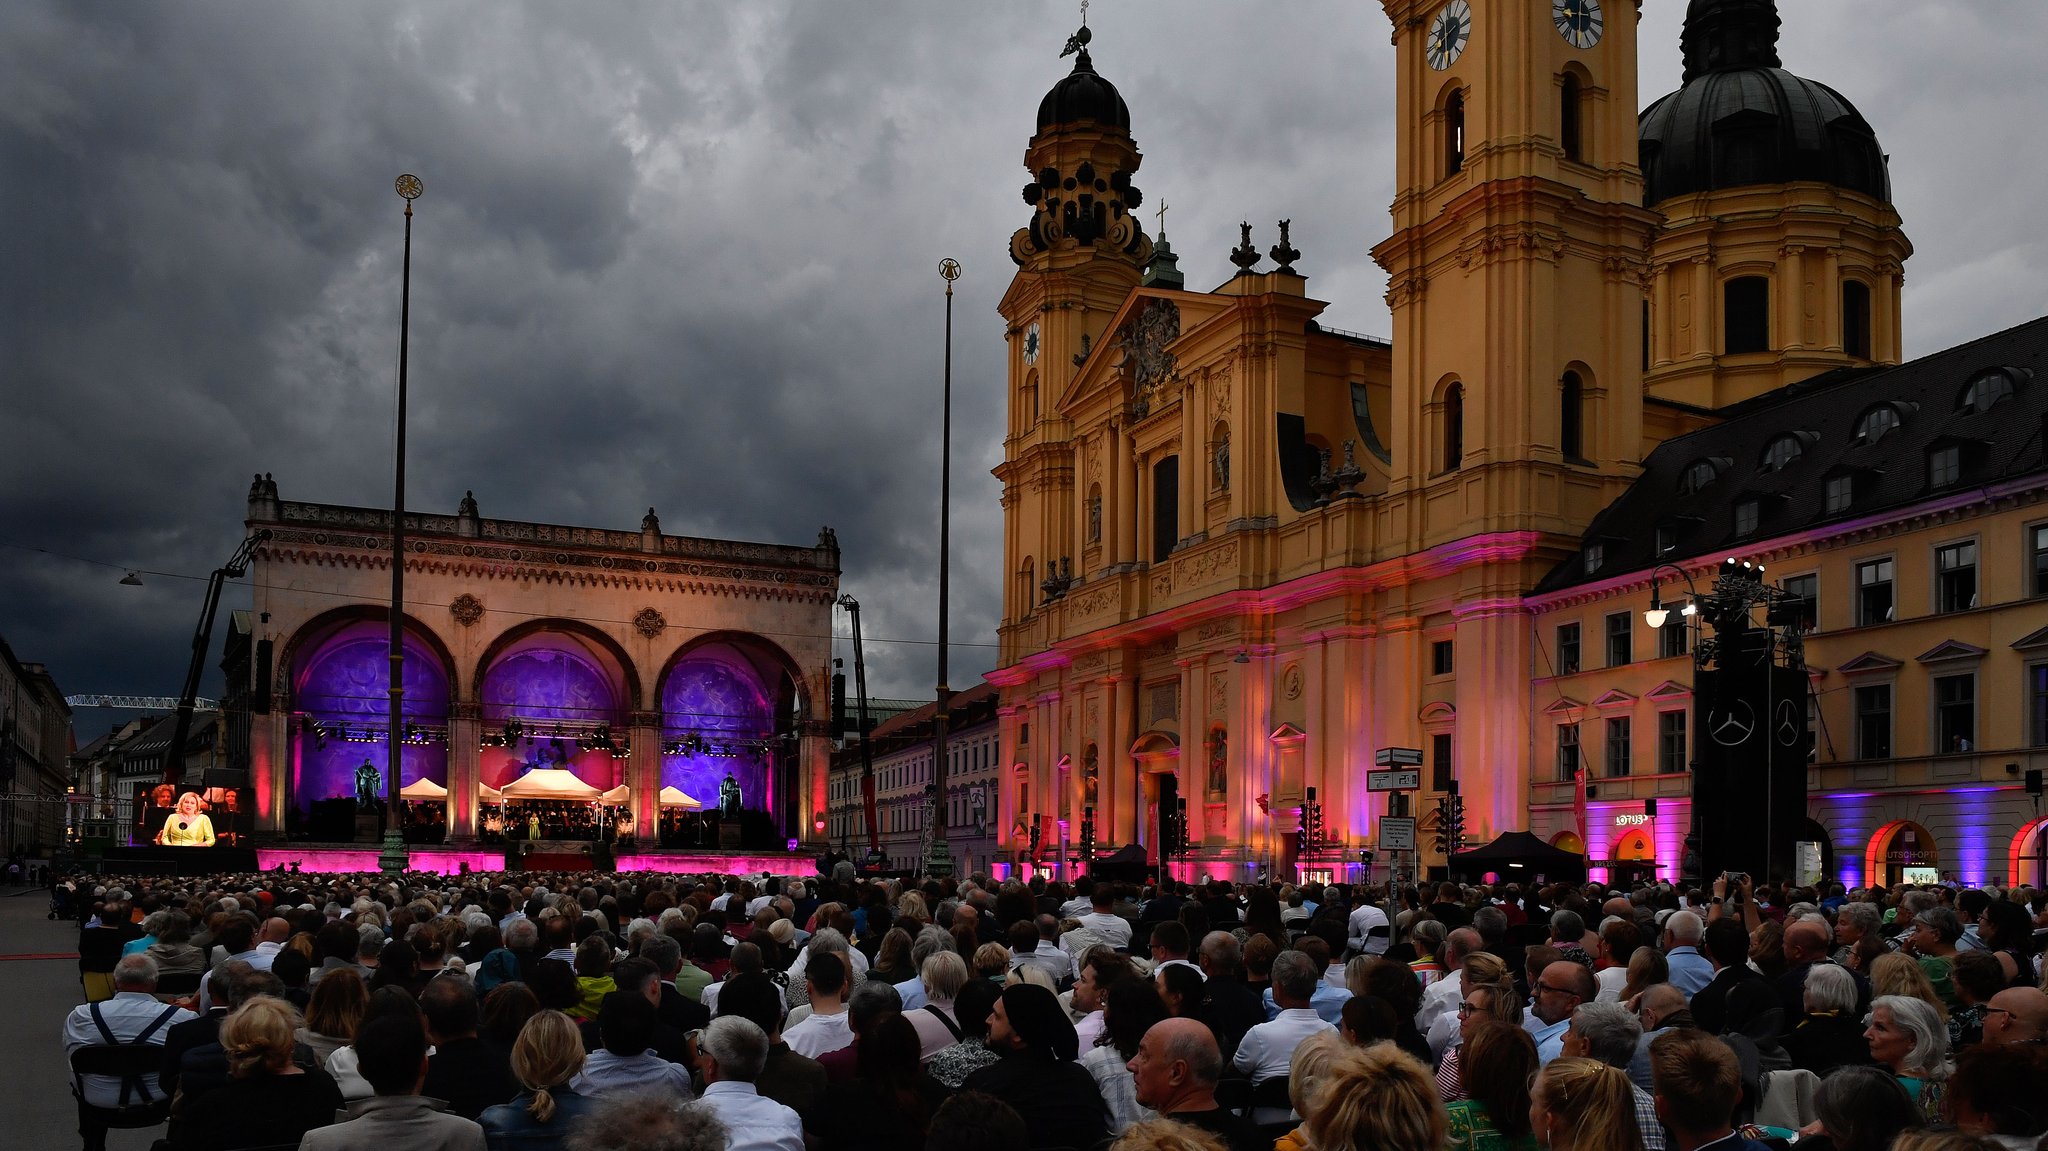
x=1219 y=759
x=1090 y=776
x=1220 y=463
x=1095 y=519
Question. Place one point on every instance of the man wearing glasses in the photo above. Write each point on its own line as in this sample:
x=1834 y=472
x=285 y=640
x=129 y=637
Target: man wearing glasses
x=2016 y=1015
x=1557 y=993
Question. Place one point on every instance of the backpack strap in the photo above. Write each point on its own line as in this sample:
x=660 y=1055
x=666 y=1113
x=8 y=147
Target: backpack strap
x=941 y=1017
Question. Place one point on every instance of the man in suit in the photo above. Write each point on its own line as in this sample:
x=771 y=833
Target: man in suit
x=393 y=1054
x=677 y=1009
x=1726 y=945
x=1229 y=1006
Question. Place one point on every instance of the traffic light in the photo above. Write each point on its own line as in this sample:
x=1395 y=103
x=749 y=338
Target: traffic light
x=1454 y=819
x=1443 y=825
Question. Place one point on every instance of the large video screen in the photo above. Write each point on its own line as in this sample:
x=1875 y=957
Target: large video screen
x=172 y=815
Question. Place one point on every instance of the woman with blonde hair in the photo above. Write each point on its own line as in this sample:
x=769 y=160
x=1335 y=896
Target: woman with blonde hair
x=1584 y=1105
x=1646 y=968
x=1305 y=1072
x=334 y=1012
x=267 y=1099
x=547 y=1056
x=1376 y=1099
x=1897 y=974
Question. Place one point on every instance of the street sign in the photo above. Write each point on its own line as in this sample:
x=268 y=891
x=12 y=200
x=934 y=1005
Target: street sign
x=1397 y=834
x=1393 y=780
x=1397 y=757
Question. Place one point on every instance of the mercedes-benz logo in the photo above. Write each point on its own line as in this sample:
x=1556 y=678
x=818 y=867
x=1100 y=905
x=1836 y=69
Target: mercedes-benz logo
x=1732 y=728
x=1787 y=724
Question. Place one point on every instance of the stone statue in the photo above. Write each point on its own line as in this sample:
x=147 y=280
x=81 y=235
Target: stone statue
x=366 y=785
x=1219 y=759
x=1221 y=463
x=729 y=797
x=467 y=507
x=1090 y=777
x=1095 y=520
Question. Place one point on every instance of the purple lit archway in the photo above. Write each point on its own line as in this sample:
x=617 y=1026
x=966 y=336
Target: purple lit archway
x=548 y=692
x=341 y=703
x=728 y=704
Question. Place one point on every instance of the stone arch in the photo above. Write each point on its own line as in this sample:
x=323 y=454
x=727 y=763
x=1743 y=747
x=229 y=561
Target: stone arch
x=1911 y=836
x=1568 y=841
x=729 y=703
x=2021 y=859
x=335 y=668
x=558 y=680
x=627 y=672
x=1635 y=844
x=326 y=623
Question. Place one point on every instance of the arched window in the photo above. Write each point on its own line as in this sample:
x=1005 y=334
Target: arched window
x=1165 y=507
x=1454 y=428
x=1571 y=403
x=1985 y=391
x=1454 y=134
x=1876 y=423
x=1856 y=319
x=1027 y=587
x=1698 y=475
x=1570 y=105
x=1781 y=453
x=1746 y=315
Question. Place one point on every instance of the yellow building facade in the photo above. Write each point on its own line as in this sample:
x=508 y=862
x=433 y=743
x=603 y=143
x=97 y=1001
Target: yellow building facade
x=1243 y=552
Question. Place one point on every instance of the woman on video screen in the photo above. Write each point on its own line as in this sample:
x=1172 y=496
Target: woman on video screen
x=187 y=826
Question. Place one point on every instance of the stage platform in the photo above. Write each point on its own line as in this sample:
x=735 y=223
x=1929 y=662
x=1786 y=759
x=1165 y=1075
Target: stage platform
x=456 y=860
x=153 y=859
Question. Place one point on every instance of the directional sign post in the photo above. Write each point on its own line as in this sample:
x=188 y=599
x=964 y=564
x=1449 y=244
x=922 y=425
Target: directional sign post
x=1408 y=780
x=1397 y=757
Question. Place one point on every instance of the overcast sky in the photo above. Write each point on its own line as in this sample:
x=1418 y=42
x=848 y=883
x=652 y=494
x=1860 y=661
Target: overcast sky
x=685 y=254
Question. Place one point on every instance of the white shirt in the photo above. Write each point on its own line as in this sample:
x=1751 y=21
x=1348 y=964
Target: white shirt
x=1047 y=957
x=1440 y=998
x=1088 y=1027
x=1363 y=919
x=1075 y=908
x=127 y=1014
x=933 y=1036
x=755 y=905
x=754 y=1123
x=1611 y=981
x=816 y=1034
x=1111 y=929
x=1266 y=1049
x=1118 y=1089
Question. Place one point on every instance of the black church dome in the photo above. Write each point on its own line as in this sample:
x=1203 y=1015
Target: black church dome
x=1741 y=119
x=1081 y=96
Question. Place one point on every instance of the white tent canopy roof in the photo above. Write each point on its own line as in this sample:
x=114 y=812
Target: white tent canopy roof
x=422 y=789
x=550 y=783
x=676 y=797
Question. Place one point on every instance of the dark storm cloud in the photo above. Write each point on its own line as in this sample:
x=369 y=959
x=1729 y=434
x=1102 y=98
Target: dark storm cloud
x=685 y=255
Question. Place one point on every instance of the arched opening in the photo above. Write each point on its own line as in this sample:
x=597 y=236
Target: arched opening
x=1571 y=415
x=1902 y=852
x=1156 y=755
x=2027 y=862
x=730 y=706
x=1633 y=858
x=1454 y=428
x=1454 y=134
x=1165 y=507
x=1571 y=114
x=553 y=700
x=1568 y=841
x=340 y=680
x=1027 y=588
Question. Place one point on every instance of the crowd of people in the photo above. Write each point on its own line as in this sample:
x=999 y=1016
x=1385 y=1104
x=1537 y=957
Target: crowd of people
x=622 y=1012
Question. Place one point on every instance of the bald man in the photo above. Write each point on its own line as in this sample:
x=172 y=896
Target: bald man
x=1660 y=1008
x=1809 y=941
x=1174 y=1073
x=2016 y=1015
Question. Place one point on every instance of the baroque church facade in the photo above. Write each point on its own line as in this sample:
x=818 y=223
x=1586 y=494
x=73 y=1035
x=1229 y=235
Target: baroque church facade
x=1244 y=552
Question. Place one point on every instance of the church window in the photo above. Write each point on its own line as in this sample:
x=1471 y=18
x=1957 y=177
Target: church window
x=1856 y=319
x=1875 y=423
x=1571 y=103
x=1572 y=416
x=1781 y=453
x=1454 y=135
x=1454 y=428
x=1746 y=315
x=1165 y=507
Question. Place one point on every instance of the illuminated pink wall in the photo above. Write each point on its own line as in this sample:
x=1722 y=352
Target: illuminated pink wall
x=450 y=861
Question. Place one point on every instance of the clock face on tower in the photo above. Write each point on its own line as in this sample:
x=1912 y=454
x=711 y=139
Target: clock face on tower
x=1448 y=33
x=1578 y=21
x=1031 y=344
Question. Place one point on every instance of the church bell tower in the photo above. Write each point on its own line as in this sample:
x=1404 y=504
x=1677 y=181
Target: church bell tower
x=1517 y=271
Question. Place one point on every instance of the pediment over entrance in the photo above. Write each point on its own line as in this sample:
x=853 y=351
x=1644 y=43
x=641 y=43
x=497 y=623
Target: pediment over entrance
x=1614 y=699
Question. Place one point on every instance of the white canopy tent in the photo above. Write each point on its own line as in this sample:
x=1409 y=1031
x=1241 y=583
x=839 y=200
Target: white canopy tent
x=422 y=789
x=675 y=797
x=550 y=783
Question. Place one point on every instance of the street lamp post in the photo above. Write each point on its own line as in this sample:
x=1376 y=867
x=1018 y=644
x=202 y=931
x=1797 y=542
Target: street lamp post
x=392 y=859
x=940 y=860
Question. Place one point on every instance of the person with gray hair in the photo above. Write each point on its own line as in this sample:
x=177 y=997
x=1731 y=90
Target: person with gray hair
x=1908 y=1038
x=730 y=1054
x=645 y=1121
x=1690 y=971
x=1831 y=1034
x=1264 y=1051
x=940 y=977
x=929 y=942
x=132 y=1016
x=1852 y=923
x=1609 y=1033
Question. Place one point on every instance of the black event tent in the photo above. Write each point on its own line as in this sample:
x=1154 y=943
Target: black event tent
x=1516 y=856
